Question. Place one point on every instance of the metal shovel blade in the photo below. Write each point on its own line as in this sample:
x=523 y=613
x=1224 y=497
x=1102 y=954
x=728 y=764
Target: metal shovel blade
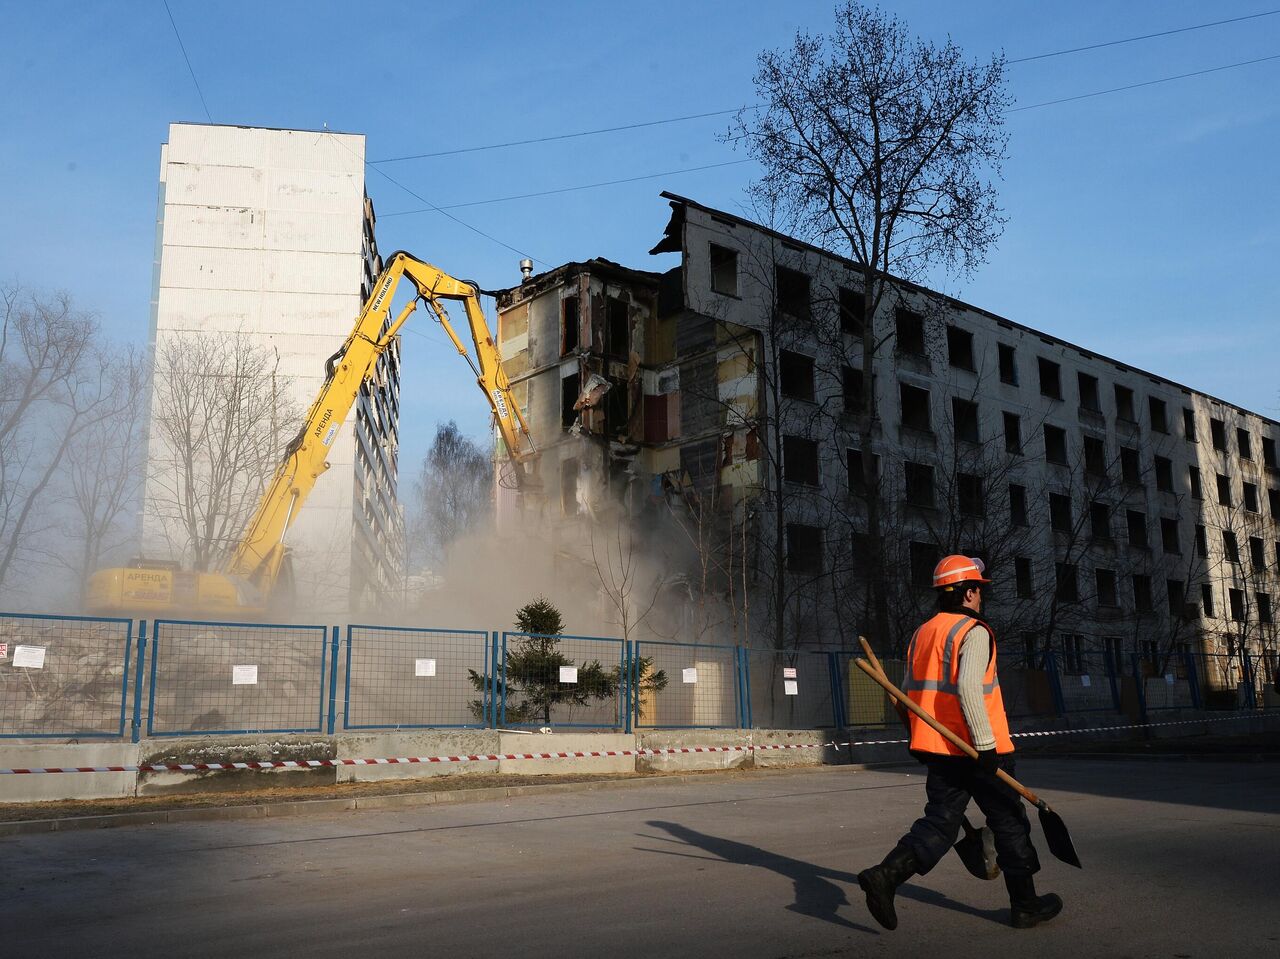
x=1056 y=835
x=977 y=850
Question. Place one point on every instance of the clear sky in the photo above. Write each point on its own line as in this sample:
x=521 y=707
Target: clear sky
x=1142 y=224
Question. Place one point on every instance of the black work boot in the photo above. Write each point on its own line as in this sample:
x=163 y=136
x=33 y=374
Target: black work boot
x=1026 y=907
x=882 y=881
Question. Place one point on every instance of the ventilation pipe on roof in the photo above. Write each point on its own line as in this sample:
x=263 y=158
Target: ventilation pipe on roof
x=526 y=270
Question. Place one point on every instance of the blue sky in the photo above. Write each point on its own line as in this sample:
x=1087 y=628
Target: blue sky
x=1142 y=224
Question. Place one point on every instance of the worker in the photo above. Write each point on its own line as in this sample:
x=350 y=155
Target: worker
x=951 y=674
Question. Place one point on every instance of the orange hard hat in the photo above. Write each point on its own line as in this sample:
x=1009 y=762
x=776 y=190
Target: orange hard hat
x=955 y=569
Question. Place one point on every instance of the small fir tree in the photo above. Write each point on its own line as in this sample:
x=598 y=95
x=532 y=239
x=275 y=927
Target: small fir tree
x=533 y=686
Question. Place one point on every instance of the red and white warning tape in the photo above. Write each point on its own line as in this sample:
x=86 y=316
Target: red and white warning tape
x=403 y=760
x=589 y=754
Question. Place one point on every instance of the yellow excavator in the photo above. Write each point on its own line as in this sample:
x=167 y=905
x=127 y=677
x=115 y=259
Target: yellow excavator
x=257 y=578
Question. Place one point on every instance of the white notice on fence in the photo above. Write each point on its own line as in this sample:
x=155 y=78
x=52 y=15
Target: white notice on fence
x=788 y=672
x=1168 y=678
x=1085 y=680
x=4 y=650
x=568 y=674
x=424 y=667
x=28 y=657
x=691 y=674
x=244 y=675
x=791 y=687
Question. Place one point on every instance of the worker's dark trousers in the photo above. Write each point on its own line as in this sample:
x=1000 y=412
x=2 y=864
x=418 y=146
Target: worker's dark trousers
x=952 y=781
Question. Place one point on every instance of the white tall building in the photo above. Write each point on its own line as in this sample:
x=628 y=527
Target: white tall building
x=267 y=235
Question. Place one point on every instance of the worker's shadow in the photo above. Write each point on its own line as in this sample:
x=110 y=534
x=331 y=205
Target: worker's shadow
x=816 y=895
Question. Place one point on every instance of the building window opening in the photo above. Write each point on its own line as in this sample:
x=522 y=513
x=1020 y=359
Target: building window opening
x=960 y=348
x=569 y=325
x=618 y=329
x=724 y=270
x=795 y=370
x=915 y=408
x=804 y=548
x=569 y=389
x=910 y=325
x=1050 y=379
x=852 y=308
x=793 y=292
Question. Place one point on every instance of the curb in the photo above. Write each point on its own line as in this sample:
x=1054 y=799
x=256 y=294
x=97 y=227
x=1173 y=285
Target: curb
x=302 y=807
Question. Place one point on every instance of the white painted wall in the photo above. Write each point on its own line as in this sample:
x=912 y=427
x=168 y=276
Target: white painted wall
x=262 y=235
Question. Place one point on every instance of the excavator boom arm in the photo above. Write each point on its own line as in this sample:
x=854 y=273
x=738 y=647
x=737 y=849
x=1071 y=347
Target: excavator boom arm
x=260 y=552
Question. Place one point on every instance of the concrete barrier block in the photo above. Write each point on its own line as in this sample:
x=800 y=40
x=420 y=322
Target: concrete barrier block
x=676 y=762
x=228 y=749
x=790 y=737
x=407 y=744
x=48 y=786
x=566 y=742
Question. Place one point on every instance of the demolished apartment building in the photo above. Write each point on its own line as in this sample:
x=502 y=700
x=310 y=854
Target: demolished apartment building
x=623 y=393
x=1145 y=513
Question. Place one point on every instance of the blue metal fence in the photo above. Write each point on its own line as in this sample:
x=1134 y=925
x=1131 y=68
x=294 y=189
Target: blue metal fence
x=72 y=676
x=63 y=676
x=791 y=689
x=561 y=681
x=402 y=678
x=210 y=677
x=685 y=686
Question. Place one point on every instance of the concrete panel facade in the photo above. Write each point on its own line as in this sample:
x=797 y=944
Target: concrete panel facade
x=268 y=235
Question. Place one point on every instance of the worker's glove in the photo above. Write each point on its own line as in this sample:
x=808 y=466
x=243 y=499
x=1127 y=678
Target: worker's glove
x=988 y=761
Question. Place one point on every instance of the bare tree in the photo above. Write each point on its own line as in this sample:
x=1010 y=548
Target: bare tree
x=453 y=494
x=55 y=384
x=104 y=473
x=628 y=582
x=883 y=147
x=221 y=417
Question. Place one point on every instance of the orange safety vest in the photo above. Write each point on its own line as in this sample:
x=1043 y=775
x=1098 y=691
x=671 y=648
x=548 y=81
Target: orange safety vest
x=933 y=683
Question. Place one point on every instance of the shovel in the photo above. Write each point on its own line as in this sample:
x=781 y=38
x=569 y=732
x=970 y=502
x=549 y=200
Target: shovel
x=977 y=848
x=1055 y=830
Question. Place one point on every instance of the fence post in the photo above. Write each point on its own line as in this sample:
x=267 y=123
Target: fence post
x=502 y=685
x=737 y=678
x=1055 y=682
x=1193 y=680
x=136 y=726
x=151 y=691
x=333 y=681
x=748 y=719
x=1111 y=678
x=1251 y=693
x=833 y=678
x=626 y=689
x=1141 y=685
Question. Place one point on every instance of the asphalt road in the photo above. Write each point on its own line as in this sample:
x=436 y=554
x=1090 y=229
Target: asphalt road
x=1181 y=860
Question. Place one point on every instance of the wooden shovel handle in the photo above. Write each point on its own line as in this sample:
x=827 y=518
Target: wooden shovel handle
x=893 y=700
x=942 y=730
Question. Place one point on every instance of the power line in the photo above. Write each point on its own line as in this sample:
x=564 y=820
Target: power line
x=1145 y=83
x=183 y=47
x=654 y=176
x=562 y=136
x=422 y=199
x=570 y=189
x=1145 y=36
x=719 y=113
